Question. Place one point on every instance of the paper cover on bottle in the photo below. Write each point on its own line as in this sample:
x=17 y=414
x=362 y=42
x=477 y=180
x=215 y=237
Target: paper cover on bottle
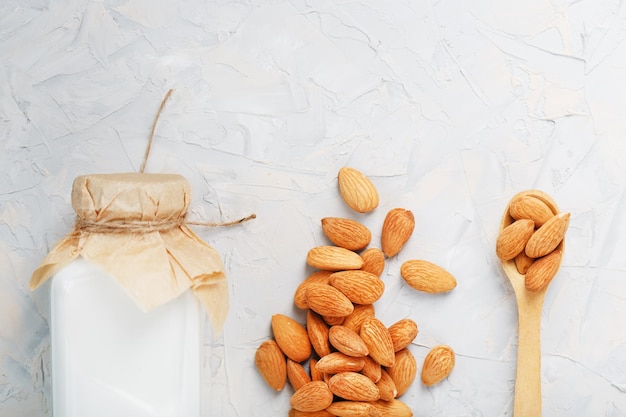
x=133 y=226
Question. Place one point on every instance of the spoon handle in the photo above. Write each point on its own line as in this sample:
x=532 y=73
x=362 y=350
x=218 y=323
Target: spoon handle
x=527 y=401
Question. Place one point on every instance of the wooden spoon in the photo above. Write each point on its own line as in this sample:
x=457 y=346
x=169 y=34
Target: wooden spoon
x=527 y=402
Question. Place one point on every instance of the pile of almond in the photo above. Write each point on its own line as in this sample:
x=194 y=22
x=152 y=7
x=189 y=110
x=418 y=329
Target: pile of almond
x=357 y=366
x=532 y=238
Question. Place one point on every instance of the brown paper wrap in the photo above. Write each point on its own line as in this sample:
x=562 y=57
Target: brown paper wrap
x=133 y=226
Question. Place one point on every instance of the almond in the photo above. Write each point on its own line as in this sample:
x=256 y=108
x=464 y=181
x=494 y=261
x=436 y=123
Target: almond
x=333 y=258
x=403 y=371
x=547 y=237
x=297 y=375
x=336 y=362
x=525 y=206
x=386 y=386
x=347 y=341
x=359 y=286
x=371 y=369
x=346 y=233
x=357 y=190
x=271 y=363
x=397 y=229
x=376 y=337
x=353 y=386
x=354 y=409
x=317 y=277
x=291 y=337
x=327 y=377
x=313 y=396
x=322 y=413
x=438 y=364
x=513 y=238
x=328 y=301
x=402 y=333
x=541 y=272
x=395 y=408
x=333 y=321
x=426 y=276
x=360 y=313
x=373 y=261
x=315 y=374
x=318 y=333
x=523 y=262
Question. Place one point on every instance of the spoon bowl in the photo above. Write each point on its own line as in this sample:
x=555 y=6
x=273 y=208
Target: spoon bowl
x=527 y=401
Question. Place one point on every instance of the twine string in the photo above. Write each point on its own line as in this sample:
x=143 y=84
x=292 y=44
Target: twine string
x=231 y=223
x=154 y=124
x=128 y=226
x=143 y=226
x=161 y=225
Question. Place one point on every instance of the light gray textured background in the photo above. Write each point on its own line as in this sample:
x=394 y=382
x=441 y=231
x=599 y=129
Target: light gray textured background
x=450 y=107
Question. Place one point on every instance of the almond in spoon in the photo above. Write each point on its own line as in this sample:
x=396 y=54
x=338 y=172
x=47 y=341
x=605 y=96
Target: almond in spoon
x=524 y=206
x=523 y=262
x=547 y=237
x=541 y=272
x=513 y=238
